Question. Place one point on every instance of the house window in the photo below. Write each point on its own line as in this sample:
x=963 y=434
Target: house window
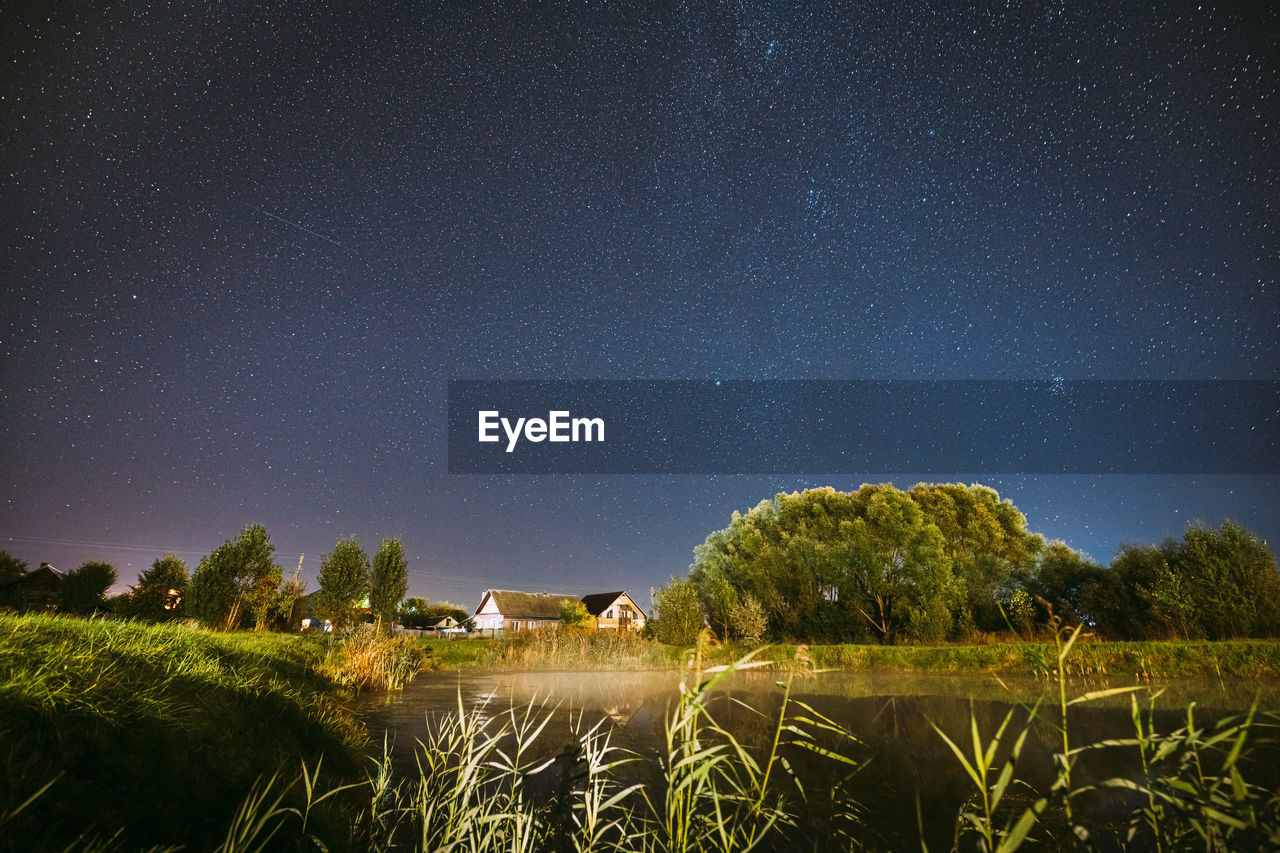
x=609 y=615
x=515 y=625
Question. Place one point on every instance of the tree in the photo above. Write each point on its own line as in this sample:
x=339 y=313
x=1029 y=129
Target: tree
x=1124 y=610
x=1214 y=584
x=413 y=613
x=830 y=565
x=288 y=608
x=389 y=579
x=1230 y=579
x=987 y=542
x=899 y=567
x=344 y=582
x=160 y=590
x=84 y=589
x=11 y=569
x=748 y=621
x=1069 y=583
x=238 y=576
x=574 y=614
x=677 y=616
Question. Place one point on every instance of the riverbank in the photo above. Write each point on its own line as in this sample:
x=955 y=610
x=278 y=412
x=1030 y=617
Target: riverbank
x=1135 y=661
x=160 y=729
x=175 y=733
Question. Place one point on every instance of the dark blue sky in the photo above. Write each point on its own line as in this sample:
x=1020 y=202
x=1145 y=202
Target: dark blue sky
x=244 y=249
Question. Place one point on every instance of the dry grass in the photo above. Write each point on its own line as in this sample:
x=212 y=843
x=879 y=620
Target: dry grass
x=366 y=657
x=558 y=649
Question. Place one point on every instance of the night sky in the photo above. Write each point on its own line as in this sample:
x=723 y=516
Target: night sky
x=244 y=249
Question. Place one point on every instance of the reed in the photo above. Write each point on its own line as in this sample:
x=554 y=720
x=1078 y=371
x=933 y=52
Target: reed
x=1192 y=791
x=364 y=656
x=482 y=774
x=568 y=649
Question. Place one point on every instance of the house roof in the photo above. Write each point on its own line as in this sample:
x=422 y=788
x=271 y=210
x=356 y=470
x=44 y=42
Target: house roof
x=46 y=575
x=527 y=605
x=597 y=602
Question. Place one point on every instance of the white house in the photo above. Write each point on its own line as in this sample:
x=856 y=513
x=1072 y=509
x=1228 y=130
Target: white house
x=615 y=611
x=503 y=610
x=509 y=610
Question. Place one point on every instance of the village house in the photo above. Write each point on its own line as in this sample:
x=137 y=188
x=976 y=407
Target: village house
x=503 y=610
x=447 y=625
x=614 y=611
x=38 y=590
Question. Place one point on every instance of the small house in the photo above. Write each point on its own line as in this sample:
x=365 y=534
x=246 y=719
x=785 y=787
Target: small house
x=40 y=589
x=615 y=611
x=503 y=610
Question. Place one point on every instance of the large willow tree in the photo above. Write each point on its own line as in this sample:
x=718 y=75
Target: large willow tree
x=878 y=562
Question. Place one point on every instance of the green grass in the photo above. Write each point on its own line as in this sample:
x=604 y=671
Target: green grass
x=160 y=728
x=1249 y=659
x=552 y=650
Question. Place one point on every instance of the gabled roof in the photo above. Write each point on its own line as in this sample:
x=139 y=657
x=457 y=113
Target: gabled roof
x=527 y=605
x=598 y=602
x=46 y=575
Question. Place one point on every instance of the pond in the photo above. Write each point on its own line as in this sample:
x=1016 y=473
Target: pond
x=892 y=715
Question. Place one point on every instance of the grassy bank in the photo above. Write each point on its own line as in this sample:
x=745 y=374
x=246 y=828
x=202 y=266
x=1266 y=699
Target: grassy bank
x=157 y=728
x=1247 y=659
x=564 y=650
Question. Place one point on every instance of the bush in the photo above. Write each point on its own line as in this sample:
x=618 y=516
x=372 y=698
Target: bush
x=748 y=620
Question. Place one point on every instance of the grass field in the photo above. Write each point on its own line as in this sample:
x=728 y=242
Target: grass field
x=160 y=728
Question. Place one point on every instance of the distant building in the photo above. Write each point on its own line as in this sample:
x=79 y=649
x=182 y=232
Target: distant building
x=504 y=610
x=615 y=611
x=447 y=625
x=39 y=590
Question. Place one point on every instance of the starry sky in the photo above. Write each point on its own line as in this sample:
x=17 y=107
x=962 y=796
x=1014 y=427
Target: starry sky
x=243 y=249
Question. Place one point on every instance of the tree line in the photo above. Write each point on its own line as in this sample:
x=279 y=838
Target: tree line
x=238 y=586
x=947 y=562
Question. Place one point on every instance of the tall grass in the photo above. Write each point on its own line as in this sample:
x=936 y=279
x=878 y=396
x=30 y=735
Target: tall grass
x=485 y=781
x=1192 y=793
x=561 y=649
x=367 y=657
x=1139 y=661
x=159 y=728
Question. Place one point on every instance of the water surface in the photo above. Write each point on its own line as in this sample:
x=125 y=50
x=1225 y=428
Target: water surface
x=892 y=715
